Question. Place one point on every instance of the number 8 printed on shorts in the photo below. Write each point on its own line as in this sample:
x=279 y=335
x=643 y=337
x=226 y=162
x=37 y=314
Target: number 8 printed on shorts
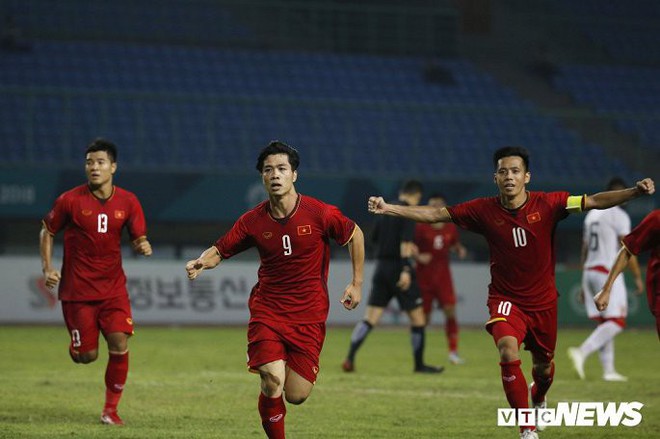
x=75 y=338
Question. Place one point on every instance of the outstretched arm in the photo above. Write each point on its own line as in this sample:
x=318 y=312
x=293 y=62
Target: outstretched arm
x=353 y=292
x=605 y=200
x=602 y=299
x=51 y=276
x=210 y=258
x=421 y=214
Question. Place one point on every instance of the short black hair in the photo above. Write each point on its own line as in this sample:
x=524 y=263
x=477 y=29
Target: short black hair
x=100 y=144
x=277 y=147
x=412 y=187
x=616 y=182
x=509 y=151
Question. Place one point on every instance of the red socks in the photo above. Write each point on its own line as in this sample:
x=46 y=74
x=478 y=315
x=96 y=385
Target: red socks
x=451 y=329
x=541 y=384
x=115 y=378
x=272 y=411
x=514 y=384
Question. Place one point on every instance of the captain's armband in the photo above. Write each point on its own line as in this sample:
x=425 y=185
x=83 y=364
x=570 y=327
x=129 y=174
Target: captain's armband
x=575 y=203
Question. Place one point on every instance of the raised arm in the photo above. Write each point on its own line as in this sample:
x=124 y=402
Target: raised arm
x=51 y=275
x=353 y=292
x=602 y=299
x=605 y=200
x=421 y=214
x=210 y=258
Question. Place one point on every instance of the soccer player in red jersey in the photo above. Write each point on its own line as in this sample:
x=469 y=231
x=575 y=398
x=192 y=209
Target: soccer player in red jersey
x=435 y=241
x=644 y=237
x=92 y=281
x=289 y=304
x=519 y=227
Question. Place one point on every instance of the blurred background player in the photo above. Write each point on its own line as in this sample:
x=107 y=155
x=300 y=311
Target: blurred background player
x=519 y=227
x=394 y=277
x=92 y=281
x=434 y=243
x=289 y=304
x=644 y=237
x=602 y=233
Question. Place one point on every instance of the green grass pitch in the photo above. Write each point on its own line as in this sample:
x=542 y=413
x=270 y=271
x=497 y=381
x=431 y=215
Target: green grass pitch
x=192 y=383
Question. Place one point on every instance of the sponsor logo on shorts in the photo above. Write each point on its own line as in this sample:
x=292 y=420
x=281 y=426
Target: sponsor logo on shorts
x=315 y=370
x=129 y=320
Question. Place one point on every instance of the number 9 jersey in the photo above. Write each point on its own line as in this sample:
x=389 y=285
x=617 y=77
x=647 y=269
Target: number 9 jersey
x=295 y=255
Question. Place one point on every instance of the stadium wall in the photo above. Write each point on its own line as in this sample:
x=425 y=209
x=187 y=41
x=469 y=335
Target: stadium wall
x=161 y=294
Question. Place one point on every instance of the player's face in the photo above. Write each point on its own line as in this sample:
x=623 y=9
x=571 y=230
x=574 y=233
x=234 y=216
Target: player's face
x=511 y=176
x=99 y=168
x=277 y=175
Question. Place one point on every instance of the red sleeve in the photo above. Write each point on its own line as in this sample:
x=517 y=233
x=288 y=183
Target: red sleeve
x=557 y=201
x=236 y=240
x=338 y=227
x=646 y=235
x=137 y=224
x=466 y=215
x=58 y=217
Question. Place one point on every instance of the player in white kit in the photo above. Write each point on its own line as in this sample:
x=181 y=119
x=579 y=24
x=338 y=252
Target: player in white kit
x=601 y=241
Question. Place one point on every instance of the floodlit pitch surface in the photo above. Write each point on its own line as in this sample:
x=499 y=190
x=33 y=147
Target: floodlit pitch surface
x=192 y=383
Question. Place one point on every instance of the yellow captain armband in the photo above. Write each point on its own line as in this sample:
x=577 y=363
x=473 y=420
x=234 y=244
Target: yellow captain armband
x=575 y=203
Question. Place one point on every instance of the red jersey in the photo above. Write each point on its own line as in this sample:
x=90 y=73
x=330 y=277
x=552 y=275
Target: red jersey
x=645 y=237
x=91 y=268
x=522 y=256
x=437 y=242
x=295 y=255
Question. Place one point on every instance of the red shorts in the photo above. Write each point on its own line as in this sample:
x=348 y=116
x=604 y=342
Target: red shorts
x=443 y=293
x=85 y=320
x=298 y=344
x=537 y=329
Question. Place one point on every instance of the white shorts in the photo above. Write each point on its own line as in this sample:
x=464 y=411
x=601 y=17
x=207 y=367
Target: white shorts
x=592 y=282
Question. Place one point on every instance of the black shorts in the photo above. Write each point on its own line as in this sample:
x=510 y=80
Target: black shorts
x=383 y=287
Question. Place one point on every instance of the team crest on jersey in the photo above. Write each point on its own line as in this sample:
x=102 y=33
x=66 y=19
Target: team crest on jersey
x=304 y=230
x=534 y=217
x=267 y=235
x=120 y=214
x=86 y=212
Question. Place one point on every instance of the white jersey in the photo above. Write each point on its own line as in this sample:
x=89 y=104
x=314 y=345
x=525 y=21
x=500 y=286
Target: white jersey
x=603 y=230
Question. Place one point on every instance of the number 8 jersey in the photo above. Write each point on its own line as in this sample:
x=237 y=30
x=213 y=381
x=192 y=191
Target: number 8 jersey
x=91 y=267
x=522 y=256
x=295 y=256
